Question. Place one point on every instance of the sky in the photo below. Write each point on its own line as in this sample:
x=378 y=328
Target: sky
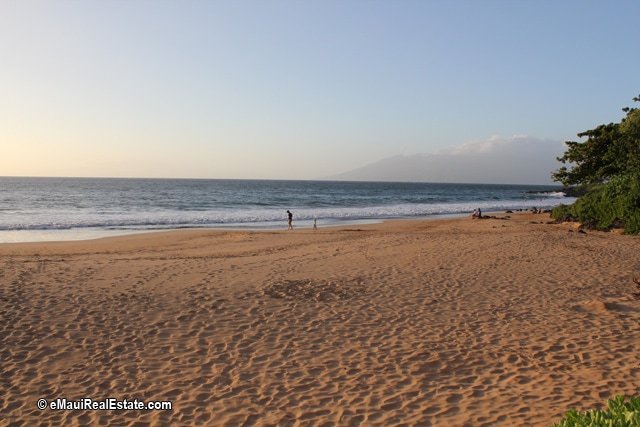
x=299 y=89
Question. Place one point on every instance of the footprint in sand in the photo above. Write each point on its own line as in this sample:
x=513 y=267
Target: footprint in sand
x=600 y=307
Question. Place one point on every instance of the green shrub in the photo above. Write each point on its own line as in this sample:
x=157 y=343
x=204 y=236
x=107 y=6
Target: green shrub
x=607 y=166
x=618 y=414
x=563 y=213
x=616 y=203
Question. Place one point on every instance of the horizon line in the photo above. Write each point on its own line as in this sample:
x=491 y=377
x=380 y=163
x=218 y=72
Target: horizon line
x=273 y=179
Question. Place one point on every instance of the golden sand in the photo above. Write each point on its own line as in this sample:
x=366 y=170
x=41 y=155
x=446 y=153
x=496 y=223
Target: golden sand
x=450 y=323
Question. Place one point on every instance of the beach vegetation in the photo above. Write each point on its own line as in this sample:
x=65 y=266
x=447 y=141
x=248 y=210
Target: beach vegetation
x=619 y=413
x=607 y=165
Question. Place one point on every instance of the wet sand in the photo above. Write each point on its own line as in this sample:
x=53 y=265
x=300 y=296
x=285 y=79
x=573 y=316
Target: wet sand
x=451 y=322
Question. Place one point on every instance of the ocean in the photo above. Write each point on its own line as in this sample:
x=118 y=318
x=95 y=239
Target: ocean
x=39 y=209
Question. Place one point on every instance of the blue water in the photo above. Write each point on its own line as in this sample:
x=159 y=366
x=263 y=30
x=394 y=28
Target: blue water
x=71 y=208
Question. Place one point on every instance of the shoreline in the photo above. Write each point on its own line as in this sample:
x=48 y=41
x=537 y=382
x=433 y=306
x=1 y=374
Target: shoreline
x=96 y=234
x=450 y=322
x=81 y=235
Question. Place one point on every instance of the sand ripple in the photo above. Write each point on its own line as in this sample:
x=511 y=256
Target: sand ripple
x=314 y=290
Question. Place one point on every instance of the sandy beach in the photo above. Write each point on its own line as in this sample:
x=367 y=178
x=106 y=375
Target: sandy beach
x=453 y=322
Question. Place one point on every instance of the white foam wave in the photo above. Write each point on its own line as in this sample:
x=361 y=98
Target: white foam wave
x=550 y=194
x=142 y=220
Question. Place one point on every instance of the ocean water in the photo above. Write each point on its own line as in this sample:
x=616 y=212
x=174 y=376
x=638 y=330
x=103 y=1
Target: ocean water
x=37 y=209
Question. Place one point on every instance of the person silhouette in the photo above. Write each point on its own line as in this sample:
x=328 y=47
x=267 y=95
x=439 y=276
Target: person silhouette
x=290 y=220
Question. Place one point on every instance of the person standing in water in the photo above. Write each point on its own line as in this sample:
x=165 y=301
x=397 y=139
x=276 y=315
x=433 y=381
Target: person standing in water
x=290 y=220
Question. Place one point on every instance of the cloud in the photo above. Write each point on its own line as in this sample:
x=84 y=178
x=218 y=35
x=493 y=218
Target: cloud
x=517 y=159
x=494 y=144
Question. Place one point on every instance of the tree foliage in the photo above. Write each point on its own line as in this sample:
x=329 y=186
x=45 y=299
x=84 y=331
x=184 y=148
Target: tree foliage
x=608 y=163
x=610 y=150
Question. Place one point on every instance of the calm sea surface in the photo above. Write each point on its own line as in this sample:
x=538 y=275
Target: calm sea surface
x=35 y=209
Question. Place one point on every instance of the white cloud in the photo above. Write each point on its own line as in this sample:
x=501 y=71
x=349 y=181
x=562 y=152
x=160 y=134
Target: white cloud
x=493 y=144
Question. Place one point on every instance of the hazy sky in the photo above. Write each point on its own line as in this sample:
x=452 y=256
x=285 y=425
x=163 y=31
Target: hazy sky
x=298 y=89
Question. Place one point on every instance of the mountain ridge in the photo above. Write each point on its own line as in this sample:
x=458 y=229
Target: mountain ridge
x=514 y=160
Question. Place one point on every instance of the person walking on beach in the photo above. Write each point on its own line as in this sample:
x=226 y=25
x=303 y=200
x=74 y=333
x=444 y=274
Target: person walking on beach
x=290 y=220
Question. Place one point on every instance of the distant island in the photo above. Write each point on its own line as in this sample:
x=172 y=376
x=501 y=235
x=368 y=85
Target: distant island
x=514 y=160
